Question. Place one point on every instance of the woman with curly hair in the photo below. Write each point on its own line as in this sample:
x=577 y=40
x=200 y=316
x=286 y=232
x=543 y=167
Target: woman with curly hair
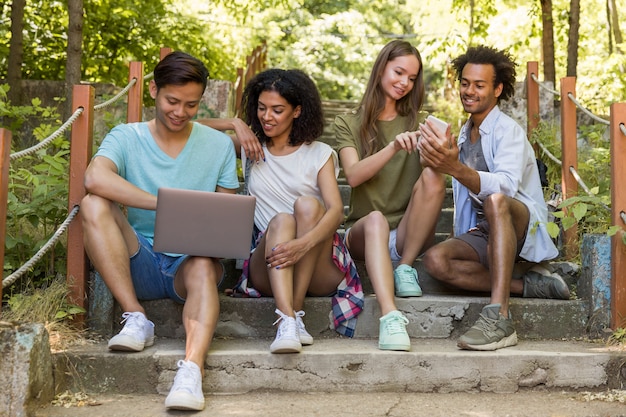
x=297 y=250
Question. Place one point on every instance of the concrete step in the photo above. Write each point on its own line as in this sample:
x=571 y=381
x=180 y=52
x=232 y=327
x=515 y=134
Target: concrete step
x=430 y=316
x=441 y=313
x=345 y=365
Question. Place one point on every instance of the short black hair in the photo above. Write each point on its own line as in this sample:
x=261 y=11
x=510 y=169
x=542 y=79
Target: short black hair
x=179 y=68
x=298 y=89
x=501 y=60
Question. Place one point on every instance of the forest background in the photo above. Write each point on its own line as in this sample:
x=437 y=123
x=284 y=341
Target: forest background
x=334 y=41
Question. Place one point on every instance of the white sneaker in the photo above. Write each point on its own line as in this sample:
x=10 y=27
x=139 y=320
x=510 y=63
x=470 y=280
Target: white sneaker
x=305 y=337
x=138 y=332
x=186 y=392
x=287 y=340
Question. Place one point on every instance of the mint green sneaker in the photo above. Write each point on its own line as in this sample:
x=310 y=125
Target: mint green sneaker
x=392 y=334
x=490 y=332
x=406 y=282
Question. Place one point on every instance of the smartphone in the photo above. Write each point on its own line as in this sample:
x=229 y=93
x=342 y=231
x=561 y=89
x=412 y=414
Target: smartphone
x=439 y=124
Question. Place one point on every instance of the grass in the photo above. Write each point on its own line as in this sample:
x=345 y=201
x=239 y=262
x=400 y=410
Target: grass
x=48 y=306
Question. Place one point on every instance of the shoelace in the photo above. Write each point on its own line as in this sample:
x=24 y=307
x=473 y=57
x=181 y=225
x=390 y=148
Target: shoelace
x=299 y=315
x=185 y=379
x=284 y=324
x=131 y=323
x=487 y=324
x=406 y=276
x=396 y=324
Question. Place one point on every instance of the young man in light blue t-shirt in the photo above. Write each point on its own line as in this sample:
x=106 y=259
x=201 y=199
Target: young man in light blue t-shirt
x=133 y=161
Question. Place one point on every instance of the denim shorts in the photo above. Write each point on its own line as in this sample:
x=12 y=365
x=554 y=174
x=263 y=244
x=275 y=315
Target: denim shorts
x=153 y=272
x=393 y=251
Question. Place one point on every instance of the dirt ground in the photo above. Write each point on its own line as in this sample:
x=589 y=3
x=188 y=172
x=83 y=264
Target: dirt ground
x=521 y=404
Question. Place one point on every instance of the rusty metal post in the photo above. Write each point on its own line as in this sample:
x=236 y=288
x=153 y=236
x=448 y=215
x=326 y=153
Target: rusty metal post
x=5 y=160
x=135 y=93
x=618 y=215
x=81 y=149
x=569 y=157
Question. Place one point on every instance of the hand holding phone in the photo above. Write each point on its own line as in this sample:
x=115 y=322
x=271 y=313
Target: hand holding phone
x=439 y=124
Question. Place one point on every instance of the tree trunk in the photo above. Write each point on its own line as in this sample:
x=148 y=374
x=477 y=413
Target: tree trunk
x=16 y=52
x=549 y=72
x=614 y=23
x=572 y=42
x=74 y=50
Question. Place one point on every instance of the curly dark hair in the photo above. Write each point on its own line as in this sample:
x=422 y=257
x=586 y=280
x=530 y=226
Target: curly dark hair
x=298 y=89
x=501 y=60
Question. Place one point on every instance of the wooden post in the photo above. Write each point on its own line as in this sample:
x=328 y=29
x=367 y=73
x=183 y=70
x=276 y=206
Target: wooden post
x=618 y=206
x=135 y=94
x=569 y=157
x=239 y=85
x=5 y=160
x=164 y=52
x=80 y=155
x=532 y=98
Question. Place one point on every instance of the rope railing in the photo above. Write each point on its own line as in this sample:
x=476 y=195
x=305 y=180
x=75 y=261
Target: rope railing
x=116 y=97
x=543 y=87
x=548 y=153
x=622 y=128
x=572 y=170
x=587 y=112
x=41 y=252
x=50 y=138
x=54 y=239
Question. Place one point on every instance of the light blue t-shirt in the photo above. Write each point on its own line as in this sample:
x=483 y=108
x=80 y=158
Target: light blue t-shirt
x=208 y=160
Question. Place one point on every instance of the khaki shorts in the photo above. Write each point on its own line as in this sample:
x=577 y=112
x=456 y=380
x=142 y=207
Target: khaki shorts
x=478 y=238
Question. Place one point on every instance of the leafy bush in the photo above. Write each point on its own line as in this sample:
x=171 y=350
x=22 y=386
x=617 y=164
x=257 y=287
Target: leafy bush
x=592 y=212
x=37 y=198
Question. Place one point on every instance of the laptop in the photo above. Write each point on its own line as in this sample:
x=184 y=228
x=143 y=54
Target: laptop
x=202 y=223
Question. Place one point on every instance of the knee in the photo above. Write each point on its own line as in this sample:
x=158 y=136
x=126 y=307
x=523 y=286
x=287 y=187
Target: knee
x=496 y=204
x=434 y=181
x=202 y=273
x=93 y=208
x=434 y=261
x=281 y=221
x=307 y=208
x=376 y=224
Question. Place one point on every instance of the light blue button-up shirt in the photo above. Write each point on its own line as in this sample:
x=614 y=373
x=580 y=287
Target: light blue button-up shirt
x=513 y=172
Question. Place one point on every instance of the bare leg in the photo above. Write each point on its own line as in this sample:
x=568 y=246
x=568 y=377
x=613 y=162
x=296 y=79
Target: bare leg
x=457 y=264
x=416 y=230
x=274 y=282
x=315 y=273
x=508 y=220
x=197 y=280
x=369 y=240
x=109 y=242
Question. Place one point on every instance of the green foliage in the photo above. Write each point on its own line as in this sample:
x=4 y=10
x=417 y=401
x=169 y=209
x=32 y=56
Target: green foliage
x=591 y=213
x=37 y=198
x=618 y=337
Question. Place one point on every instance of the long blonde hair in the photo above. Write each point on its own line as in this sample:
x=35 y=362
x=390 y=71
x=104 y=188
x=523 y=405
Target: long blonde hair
x=373 y=101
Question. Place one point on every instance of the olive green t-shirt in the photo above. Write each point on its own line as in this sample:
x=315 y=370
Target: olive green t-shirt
x=390 y=189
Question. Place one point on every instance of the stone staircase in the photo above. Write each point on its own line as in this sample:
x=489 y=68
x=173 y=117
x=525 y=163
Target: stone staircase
x=551 y=352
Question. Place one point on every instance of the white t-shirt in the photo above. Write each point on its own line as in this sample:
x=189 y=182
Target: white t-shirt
x=279 y=180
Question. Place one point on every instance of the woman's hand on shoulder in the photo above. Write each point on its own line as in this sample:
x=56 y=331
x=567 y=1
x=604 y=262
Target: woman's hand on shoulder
x=248 y=141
